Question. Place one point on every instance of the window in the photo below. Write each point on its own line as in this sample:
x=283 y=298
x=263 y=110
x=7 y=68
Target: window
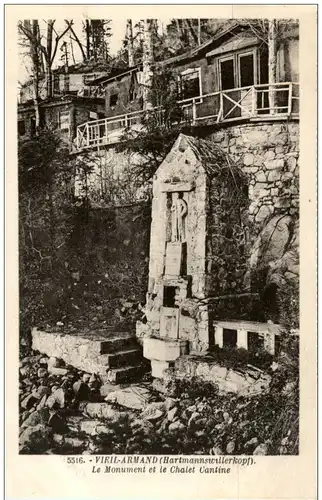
x=66 y=83
x=21 y=127
x=227 y=74
x=190 y=83
x=246 y=70
x=56 y=84
x=113 y=100
x=237 y=70
x=64 y=120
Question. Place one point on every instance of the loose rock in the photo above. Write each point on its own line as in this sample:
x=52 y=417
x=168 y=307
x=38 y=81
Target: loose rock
x=172 y=413
x=176 y=426
x=133 y=397
x=154 y=411
x=28 y=402
x=262 y=449
x=42 y=372
x=35 y=439
x=230 y=447
x=81 y=390
x=101 y=410
x=35 y=418
x=57 y=423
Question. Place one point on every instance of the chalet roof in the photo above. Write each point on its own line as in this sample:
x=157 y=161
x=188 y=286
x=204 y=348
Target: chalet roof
x=84 y=67
x=226 y=31
x=212 y=157
x=61 y=100
x=116 y=73
x=229 y=30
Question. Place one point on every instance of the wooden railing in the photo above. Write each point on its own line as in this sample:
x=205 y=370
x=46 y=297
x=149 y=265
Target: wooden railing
x=256 y=102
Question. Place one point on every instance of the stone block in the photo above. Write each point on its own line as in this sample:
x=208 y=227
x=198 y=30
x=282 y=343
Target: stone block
x=248 y=159
x=274 y=175
x=242 y=338
x=258 y=160
x=256 y=136
x=272 y=164
x=251 y=169
x=219 y=336
x=291 y=163
x=269 y=155
x=158 y=368
x=164 y=349
x=264 y=212
x=260 y=176
x=259 y=190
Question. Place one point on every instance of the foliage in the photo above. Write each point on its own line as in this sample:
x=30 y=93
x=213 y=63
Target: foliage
x=289 y=304
x=63 y=276
x=97 y=32
x=160 y=128
x=46 y=217
x=240 y=358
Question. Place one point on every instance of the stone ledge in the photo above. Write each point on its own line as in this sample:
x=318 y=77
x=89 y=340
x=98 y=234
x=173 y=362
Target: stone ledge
x=87 y=354
x=164 y=349
x=247 y=382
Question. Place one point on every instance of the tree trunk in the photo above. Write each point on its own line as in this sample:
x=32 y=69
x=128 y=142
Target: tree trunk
x=34 y=52
x=147 y=64
x=272 y=65
x=88 y=38
x=49 y=83
x=129 y=38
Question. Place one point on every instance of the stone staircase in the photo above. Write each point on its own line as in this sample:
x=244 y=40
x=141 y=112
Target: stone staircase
x=115 y=356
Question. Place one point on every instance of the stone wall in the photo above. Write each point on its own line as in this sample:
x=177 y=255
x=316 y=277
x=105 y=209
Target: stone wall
x=268 y=153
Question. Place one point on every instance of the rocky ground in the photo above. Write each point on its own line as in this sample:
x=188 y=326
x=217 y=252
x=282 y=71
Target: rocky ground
x=66 y=411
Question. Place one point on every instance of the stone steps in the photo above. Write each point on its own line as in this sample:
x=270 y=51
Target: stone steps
x=127 y=373
x=118 y=343
x=125 y=357
x=115 y=358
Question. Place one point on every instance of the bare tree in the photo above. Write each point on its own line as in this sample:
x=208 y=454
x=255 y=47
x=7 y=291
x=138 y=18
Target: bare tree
x=32 y=27
x=272 y=63
x=129 y=40
x=48 y=48
x=147 y=62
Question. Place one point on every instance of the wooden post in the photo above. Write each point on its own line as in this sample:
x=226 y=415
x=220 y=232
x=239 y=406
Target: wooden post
x=87 y=134
x=254 y=103
x=221 y=108
x=290 y=95
x=194 y=111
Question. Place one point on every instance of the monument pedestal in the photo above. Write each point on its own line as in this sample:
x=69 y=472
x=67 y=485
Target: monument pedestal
x=162 y=352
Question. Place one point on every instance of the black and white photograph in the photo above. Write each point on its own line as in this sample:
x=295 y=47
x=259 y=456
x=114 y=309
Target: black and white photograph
x=159 y=211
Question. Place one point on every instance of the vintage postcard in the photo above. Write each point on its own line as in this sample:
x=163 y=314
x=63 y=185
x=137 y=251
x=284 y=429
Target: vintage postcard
x=161 y=335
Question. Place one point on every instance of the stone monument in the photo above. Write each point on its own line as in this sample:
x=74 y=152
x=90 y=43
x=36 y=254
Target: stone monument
x=189 y=195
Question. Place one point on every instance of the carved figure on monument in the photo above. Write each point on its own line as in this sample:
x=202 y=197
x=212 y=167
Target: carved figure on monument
x=179 y=210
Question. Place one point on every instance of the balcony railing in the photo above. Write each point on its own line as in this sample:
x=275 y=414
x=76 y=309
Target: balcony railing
x=256 y=102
